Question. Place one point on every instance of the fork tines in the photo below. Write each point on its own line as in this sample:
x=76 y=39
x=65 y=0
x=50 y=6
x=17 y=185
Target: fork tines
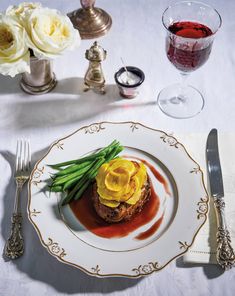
x=23 y=155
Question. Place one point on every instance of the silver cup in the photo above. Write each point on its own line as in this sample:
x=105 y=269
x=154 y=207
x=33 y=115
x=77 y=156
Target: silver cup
x=41 y=78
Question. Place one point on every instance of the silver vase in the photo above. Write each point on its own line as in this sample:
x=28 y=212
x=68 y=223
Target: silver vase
x=41 y=78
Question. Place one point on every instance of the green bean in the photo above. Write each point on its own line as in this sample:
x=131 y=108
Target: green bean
x=83 y=183
x=72 y=168
x=72 y=193
x=66 y=178
x=71 y=182
x=82 y=189
x=65 y=200
x=56 y=188
x=76 y=175
x=100 y=153
x=110 y=147
x=77 y=161
x=113 y=153
x=89 y=175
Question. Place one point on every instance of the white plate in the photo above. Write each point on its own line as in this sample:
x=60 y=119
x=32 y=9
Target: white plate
x=185 y=208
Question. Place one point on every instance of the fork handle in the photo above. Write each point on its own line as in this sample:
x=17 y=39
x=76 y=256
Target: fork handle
x=14 y=247
x=19 y=185
x=225 y=253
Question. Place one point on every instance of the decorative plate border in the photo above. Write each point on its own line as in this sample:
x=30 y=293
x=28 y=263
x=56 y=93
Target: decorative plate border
x=142 y=270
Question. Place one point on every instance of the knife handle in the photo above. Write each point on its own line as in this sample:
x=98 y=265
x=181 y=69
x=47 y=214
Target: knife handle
x=225 y=253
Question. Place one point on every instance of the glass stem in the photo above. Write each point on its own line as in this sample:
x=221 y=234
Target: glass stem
x=182 y=97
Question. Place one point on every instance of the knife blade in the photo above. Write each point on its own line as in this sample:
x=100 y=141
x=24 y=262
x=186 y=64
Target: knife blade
x=213 y=165
x=225 y=253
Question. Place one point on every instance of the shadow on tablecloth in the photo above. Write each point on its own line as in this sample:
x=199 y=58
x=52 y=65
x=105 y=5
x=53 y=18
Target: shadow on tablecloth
x=38 y=264
x=66 y=104
x=211 y=271
x=9 y=85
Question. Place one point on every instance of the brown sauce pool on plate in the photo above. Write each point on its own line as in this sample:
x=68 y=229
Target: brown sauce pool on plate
x=84 y=210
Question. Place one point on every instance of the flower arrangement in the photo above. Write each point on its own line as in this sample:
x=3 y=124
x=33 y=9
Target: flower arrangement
x=30 y=29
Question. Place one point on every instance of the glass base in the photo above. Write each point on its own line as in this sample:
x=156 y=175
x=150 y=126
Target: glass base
x=180 y=102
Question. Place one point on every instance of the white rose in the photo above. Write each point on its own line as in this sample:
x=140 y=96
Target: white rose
x=14 y=52
x=22 y=11
x=50 y=33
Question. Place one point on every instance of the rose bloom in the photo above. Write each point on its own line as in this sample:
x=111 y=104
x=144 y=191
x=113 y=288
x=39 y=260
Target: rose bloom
x=22 y=11
x=50 y=33
x=14 y=53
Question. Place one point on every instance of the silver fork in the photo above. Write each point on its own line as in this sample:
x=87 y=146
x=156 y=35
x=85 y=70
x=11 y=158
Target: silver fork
x=14 y=247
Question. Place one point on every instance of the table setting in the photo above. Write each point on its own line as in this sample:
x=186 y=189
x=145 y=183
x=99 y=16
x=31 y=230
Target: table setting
x=118 y=175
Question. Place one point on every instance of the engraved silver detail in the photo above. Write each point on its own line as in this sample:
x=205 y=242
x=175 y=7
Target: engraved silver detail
x=14 y=247
x=225 y=253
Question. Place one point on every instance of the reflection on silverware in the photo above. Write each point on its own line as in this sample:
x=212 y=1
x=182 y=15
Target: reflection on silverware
x=225 y=253
x=94 y=77
x=14 y=247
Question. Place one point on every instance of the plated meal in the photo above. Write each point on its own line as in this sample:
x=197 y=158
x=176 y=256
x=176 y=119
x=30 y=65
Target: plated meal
x=137 y=201
x=111 y=187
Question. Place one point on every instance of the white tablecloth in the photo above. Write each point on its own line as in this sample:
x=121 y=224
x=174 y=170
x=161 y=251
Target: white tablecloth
x=137 y=36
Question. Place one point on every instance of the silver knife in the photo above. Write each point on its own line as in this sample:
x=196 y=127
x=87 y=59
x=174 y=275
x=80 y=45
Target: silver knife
x=225 y=253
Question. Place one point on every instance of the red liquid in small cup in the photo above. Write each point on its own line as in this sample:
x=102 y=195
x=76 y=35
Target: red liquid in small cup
x=189 y=55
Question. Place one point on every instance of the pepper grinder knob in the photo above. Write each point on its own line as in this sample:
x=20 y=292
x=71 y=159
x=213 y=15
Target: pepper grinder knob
x=87 y=3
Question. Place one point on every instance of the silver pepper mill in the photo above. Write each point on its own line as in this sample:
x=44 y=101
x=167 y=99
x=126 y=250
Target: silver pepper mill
x=94 y=78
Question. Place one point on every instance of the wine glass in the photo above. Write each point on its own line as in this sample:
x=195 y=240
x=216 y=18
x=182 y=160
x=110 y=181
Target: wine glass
x=191 y=28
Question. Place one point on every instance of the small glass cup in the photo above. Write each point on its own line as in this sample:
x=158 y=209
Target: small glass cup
x=129 y=84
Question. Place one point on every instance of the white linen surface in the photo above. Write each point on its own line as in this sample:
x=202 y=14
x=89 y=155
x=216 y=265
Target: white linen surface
x=137 y=36
x=204 y=247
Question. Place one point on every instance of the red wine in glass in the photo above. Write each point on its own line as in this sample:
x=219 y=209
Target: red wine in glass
x=188 y=53
x=191 y=27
